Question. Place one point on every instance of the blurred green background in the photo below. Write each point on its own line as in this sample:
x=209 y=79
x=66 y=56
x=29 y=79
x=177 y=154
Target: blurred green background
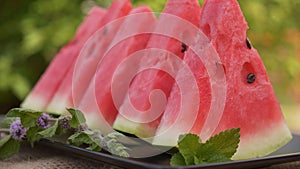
x=32 y=32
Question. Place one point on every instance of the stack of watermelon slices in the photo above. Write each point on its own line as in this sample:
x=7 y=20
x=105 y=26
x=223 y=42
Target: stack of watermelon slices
x=227 y=82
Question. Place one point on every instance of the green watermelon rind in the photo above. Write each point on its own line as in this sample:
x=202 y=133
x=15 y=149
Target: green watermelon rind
x=138 y=129
x=279 y=134
x=34 y=102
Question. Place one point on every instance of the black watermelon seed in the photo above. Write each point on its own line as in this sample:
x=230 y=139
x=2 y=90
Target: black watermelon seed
x=184 y=47
x=251 y=78
x=74 y=41
x=104 y=31
x=248 y=43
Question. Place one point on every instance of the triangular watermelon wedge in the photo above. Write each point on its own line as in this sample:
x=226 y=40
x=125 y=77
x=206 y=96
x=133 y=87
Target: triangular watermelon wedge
x=250 y=102
x=133 y=35
x=189 y=103
x=46 y=87
x=136 y=105
x=81 y=72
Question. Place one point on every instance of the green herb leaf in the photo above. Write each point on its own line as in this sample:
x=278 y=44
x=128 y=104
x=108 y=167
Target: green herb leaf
x=114 y=146
x=88 y=138
x=177 y=160
x=77 y=118
x=64 y=124
x=226 y=142
x=32 y=135
x=78 y=139
x=219 y=148
x=28 y=117
x=5 y=123
x=15 y=112
x=8 y=147
x=49 y=132
x=209 y=154
x=4 y=140
x=189 y=145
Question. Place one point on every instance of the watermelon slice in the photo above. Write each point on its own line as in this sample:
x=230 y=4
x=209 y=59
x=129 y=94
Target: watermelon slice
x=149 y=80
x=250 y=102
x=82 y=71
x=132 y=36
x=44 y=90
x=183 y=108
x=257 y=113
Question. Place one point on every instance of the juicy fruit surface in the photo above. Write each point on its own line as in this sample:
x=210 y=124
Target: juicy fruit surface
x=251 y=106
x=111 y=59
x=79 y=73
x=45 y=89
x=236 y=78
x=147 y=81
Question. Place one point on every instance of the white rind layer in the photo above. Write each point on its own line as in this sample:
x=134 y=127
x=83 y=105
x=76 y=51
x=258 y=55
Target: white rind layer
x=34 y=103
x=260 y=144
x=59 y=104
x=264 y=142
x=138 y=129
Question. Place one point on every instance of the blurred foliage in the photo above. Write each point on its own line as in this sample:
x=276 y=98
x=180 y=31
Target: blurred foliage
x=32 y=32
x=275 y=33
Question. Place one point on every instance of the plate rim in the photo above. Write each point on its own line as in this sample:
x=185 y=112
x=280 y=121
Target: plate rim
x=140 y=164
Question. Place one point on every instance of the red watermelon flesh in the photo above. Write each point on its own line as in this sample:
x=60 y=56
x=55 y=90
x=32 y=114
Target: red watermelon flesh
x=194 y=110
x=250 y=102
x=149 y=80
x=81 y=72
x=132 y=36
x=43 y=91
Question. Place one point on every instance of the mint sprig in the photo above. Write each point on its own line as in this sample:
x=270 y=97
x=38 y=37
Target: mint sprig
x=32 y=126
x=219 y=148
x=77 y=119
x=8 y=147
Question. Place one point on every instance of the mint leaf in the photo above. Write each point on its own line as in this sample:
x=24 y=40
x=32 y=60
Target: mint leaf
x=37 y=125
x=219 y=148
x=226 y=142
x=49 y=132
x=94 y=147
x=88 y=138
x=189 y=145
x=4 y=140
x=177 y=160
x=78 y=139
x=28 y=117
x=210 y=154
x=95 y=141
x=5 y=123
x=15 y=112
x=116 y=148
x=8 y=147
x=32 y=135
x=77 y=118
x=111 y=141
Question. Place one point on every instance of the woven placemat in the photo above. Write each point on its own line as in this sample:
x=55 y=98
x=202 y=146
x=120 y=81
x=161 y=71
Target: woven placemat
x=40 y=157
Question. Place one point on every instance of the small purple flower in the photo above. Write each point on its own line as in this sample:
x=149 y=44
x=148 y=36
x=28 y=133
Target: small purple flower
x=43 y=121
x=81 y=127
x=17 y=131
x=65 y=123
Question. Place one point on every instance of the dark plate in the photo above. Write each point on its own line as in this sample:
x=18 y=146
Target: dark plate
x=288 y=153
